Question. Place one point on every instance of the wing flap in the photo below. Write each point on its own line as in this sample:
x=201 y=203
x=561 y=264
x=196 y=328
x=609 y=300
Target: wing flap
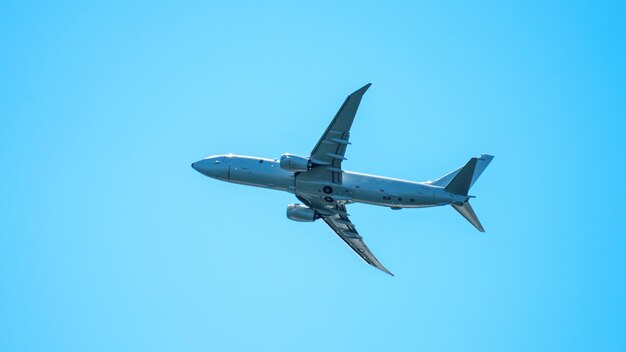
x=337 y=219
x=358 y=245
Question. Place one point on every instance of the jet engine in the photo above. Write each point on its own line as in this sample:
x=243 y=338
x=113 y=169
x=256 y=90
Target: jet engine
x=301 y=213
x=294 y=163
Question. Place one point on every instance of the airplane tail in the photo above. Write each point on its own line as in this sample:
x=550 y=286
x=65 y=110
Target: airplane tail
x=460 y=181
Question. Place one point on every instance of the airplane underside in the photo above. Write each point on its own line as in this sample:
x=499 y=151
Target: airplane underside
x=324 y=188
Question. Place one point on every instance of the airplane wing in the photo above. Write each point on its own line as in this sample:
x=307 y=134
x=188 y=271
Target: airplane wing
x=326 y=158
x=338 y=220
x=330 y=149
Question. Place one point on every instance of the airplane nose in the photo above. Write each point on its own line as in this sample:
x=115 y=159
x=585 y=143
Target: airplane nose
x=201 y=166
x=215 y=167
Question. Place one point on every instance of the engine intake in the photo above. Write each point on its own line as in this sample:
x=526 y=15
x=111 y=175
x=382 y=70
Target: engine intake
x=294 y=163
x=301 y=213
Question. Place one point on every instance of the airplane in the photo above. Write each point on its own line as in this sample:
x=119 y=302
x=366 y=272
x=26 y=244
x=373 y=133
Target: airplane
x=324 y=188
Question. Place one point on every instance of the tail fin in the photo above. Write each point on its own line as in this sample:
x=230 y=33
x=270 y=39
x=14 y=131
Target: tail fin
x=460 y=181
x=465 y=177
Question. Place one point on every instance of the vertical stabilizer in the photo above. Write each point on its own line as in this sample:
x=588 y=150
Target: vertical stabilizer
x=467 y=175
x=461 y=183
x=481 y=164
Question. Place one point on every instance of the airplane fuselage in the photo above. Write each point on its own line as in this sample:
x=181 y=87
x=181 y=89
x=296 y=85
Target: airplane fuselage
x=354 y=188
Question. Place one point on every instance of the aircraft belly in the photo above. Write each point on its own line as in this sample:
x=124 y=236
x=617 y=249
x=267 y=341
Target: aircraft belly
x=370 y=189
x=324 y=190
x=397 y=200
x=392 y=192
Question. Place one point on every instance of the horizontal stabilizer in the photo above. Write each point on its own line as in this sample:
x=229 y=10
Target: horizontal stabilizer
x=468 y=213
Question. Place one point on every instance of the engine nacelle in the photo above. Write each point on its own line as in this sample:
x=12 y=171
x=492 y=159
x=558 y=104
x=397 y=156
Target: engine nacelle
x=294 y=163
x=302 y=213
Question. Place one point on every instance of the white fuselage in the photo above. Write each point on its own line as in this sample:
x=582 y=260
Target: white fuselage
x=355 y=187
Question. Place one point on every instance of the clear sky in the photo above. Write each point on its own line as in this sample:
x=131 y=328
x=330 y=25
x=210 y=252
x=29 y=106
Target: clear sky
x=110 y=241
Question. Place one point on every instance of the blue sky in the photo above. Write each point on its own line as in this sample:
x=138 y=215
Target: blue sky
x=110 y=241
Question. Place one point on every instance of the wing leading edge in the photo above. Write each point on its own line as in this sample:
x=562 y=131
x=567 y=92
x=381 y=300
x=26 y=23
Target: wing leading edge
x=329 y=151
